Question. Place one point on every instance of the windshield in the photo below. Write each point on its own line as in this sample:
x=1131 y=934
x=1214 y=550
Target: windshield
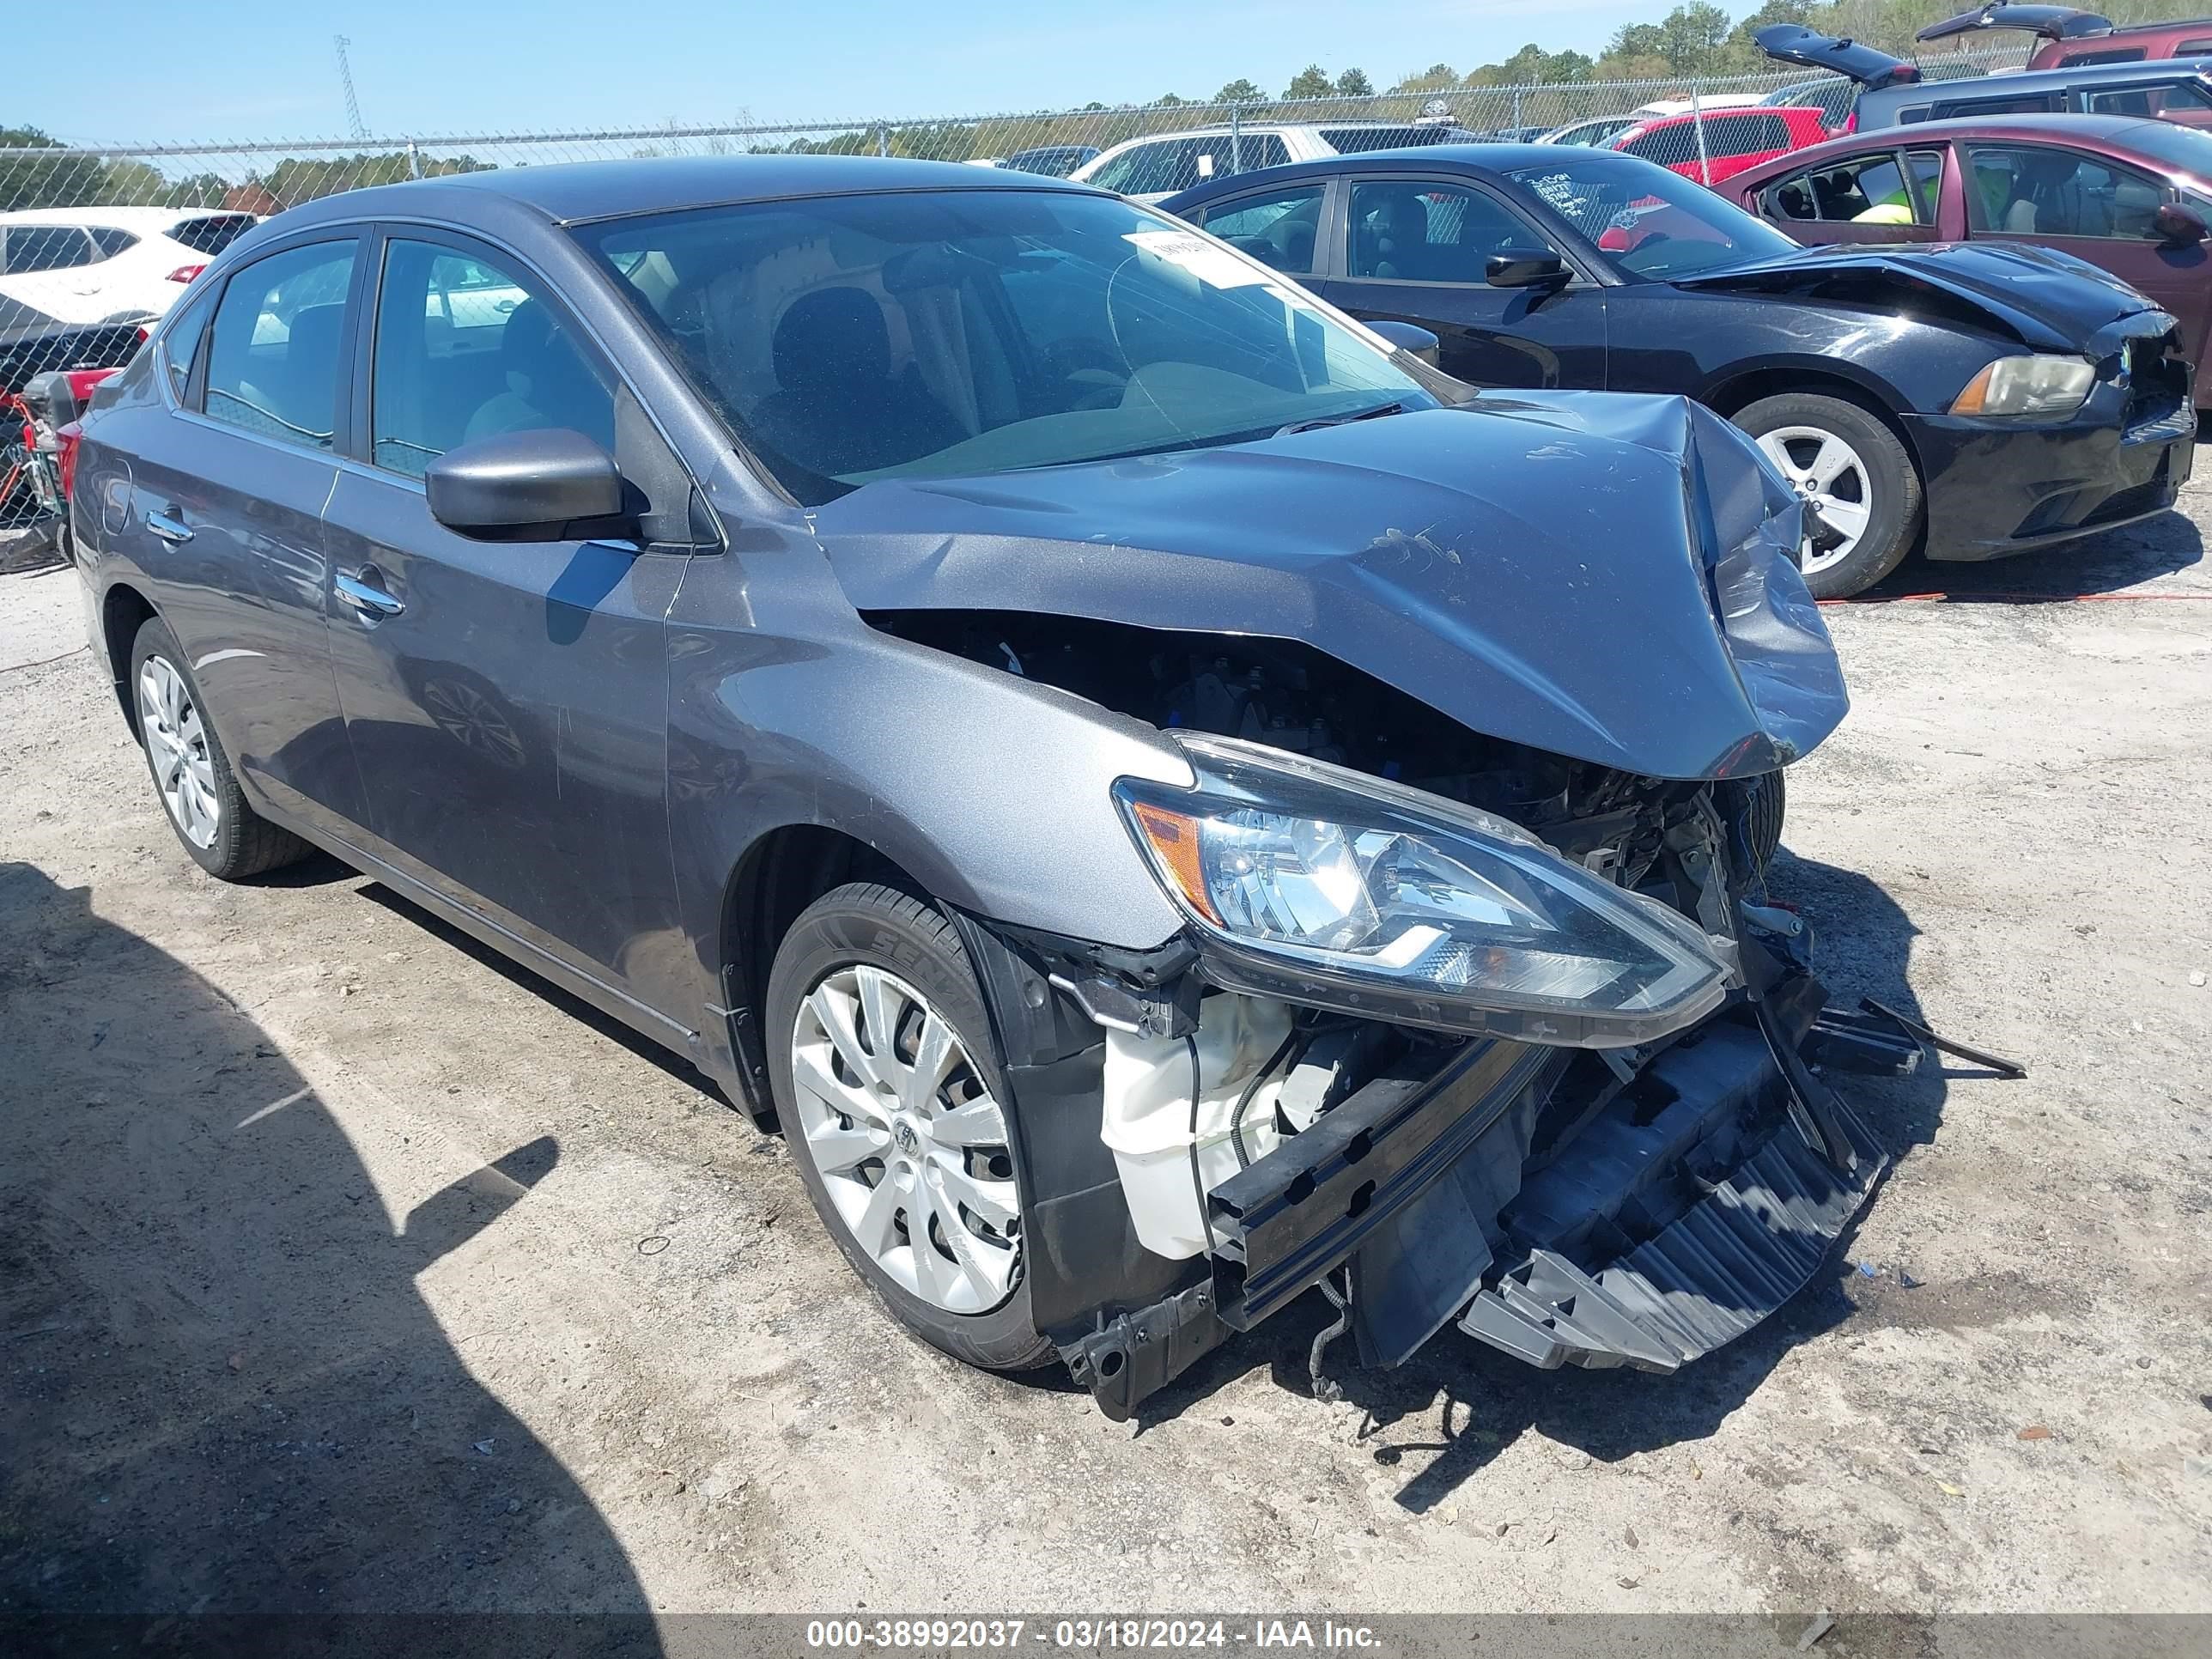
x=847 y=338
x=1651 y=224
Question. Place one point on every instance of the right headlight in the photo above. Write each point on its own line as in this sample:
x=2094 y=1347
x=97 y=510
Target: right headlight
x=2027 y=385
x=1329 y=888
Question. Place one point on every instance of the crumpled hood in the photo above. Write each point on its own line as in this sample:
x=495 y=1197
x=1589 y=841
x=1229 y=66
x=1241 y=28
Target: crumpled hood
x=2052 y=300
x=1554 y=569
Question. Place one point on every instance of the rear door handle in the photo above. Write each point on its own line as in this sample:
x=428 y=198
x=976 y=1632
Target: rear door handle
x=361 y=589
x=170 y=530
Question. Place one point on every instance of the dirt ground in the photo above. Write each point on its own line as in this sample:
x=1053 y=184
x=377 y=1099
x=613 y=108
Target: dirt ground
x=343 y=1266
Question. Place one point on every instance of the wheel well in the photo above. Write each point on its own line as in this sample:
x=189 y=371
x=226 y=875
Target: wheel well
x=1734 y=396
x=780 y=874
x=122 y=614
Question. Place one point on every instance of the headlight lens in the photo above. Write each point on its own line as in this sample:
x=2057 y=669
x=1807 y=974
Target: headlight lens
x=1330 y=888
x=2027 y=385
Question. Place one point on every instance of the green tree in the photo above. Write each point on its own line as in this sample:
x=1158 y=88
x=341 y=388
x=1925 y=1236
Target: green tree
x=1311 y=82
x=45 y=181
x=1354 y=83
x=1240 y=91
x=1437 y=77
x=1170 y=100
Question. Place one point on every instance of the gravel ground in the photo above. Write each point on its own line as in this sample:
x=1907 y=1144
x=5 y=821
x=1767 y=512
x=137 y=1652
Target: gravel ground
x=343 y=1266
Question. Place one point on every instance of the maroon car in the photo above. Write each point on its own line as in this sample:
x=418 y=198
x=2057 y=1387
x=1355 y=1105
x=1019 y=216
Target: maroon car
x=2071 y=36
x=2132 y=197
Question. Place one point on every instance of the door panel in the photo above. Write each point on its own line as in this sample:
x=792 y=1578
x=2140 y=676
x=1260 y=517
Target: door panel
x=1416 y=252
x=507 y=700
x=226 y=517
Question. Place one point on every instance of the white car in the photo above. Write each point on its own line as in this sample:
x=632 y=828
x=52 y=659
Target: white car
x=119 y=264
x=1659 y=107
x=1151 y=168
x=1599 y=130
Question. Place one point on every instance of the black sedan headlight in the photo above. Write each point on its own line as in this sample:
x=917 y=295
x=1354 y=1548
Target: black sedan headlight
x=1333 y=889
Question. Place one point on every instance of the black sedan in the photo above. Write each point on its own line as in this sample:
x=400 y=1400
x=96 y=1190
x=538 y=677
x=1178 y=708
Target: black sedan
x=1974 y=401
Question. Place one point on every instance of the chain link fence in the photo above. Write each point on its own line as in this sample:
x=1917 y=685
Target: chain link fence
x=95 y=234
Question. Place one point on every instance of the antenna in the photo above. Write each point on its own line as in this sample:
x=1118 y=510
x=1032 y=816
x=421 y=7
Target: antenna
x=346 y=80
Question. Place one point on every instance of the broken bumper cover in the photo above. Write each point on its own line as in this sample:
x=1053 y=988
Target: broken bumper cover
x=1698 y=1197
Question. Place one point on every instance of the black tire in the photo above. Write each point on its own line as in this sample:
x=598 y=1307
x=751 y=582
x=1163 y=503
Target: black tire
x=865 y=924
x=1893 y=482
x=244 y=843
x=1756 y=806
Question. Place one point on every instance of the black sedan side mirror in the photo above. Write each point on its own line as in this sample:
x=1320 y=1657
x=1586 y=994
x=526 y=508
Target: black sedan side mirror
x=2179 y=226
x=541 y=486
x=1526 y=267
x=1413 y=338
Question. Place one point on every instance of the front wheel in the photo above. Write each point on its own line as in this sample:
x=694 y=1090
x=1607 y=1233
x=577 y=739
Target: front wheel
x=1851 y=470
x=890 y=1094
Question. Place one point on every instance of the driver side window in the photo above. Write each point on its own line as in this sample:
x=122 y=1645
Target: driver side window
x=1408 y=230
x=466 y=349
x=2028 y=190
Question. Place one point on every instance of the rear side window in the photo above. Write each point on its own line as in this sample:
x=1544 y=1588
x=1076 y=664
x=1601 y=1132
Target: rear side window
x=2110 y=55
x=273 y=351
x=1278 y=228
x=2147 y=100
x=34 y=248
x=214 y=233
x=2025 y=105
x=1882 y=188
x=111 y=241
x=467 y=348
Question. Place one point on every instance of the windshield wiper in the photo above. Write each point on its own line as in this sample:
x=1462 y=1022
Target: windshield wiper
x=1340 y=420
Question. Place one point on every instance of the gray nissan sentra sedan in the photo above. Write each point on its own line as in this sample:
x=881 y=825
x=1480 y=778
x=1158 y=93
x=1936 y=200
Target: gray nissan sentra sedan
x=1167 y=800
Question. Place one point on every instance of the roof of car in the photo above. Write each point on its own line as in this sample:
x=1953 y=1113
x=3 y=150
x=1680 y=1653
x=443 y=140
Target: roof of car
x=2112 y=129
x=141 y=219
x=576 y=191
x=1475 y=158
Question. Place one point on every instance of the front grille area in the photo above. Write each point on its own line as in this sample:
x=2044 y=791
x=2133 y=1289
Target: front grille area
x=2158 y=386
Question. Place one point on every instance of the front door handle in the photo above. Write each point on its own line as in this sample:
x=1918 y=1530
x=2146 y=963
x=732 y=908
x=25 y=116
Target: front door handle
x=170 y=529
x=361 y=589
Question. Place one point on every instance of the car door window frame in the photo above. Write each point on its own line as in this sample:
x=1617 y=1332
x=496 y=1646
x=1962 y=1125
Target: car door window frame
x=193 y=404
x=1578 y=276
x=1978 y=209
x=474 y=245
x=1926 y=196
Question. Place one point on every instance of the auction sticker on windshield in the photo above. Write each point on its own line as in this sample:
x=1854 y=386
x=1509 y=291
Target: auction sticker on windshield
x=1208 y=263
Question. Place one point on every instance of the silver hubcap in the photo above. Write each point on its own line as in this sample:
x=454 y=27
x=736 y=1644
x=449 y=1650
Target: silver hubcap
x=178 y=745
x=909 y=1143
x=1828 y=473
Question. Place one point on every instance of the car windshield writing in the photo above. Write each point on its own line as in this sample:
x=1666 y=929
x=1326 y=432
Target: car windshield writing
x=853 y=337
x=1647 y=222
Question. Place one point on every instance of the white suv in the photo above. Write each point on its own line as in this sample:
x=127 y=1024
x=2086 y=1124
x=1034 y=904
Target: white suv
x=1150 y=169
x=120 y=264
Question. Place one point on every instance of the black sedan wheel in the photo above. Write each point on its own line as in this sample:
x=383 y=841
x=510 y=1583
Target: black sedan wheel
x=1851 y=470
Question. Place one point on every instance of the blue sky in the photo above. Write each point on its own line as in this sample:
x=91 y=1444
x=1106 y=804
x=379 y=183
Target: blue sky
x=223 y=71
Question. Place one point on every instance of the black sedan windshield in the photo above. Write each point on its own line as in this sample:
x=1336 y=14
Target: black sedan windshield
x=1651 y=224
x=846 y=338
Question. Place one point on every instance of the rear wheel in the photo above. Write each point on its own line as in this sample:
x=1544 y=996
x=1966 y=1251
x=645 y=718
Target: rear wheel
x=891 y=1094
x=1853 y=473
x=191 y=775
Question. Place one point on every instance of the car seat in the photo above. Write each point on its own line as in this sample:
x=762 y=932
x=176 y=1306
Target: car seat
x=838 y=407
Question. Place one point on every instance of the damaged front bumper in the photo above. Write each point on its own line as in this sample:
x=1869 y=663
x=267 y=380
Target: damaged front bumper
x=1638 y=1207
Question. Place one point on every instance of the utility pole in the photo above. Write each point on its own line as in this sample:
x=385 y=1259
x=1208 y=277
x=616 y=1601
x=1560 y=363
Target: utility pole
x=346 y=80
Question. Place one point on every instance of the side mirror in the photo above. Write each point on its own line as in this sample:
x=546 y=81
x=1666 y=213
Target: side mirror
x=527 y=487
x=2179 y=226
x=1411 y=336
x=1526 y=267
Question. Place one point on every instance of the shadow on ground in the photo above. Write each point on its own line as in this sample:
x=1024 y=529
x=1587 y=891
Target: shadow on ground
x=226 y=1394
x=1457 y=1404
